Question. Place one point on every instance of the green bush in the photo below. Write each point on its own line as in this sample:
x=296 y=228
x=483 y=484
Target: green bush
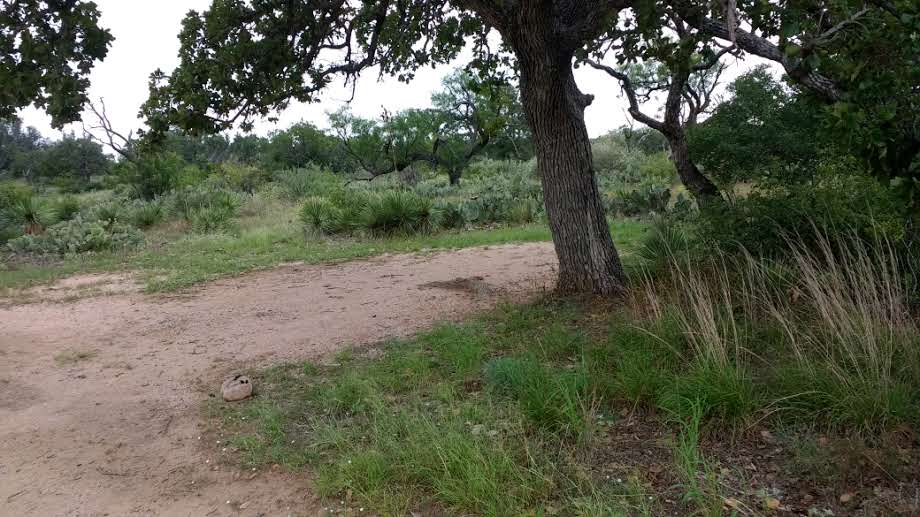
x=664 y=243
x=243 y=178
x=190 y=200
x=157 y=174
x=79 y=236
x=448 y=215
x=490 y=207
x=27 y=215
x=109 y=213
x=66 y=207
x=145 y=214
x=214 y=219
x=351 y=204
x=641 y=201
x=523 y=212
x=397 y=212
x=318 y=214
x=309 y=181
x=764 y=222
x=13 y=191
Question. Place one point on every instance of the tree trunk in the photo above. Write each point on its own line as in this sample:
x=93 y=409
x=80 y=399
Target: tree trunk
x=454 y=176
x=696 y=182
x=588 y=260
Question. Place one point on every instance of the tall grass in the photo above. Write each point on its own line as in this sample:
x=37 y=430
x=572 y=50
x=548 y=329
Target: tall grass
x=830 y=326
x=848 y=323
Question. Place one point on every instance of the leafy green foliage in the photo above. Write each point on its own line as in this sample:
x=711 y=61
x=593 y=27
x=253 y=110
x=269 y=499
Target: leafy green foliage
x=641 y=201
x=319 y=214
x=764 y=221
x=44 y=65
x=448 y=215
x=144 y=214
x=303 y=146
x=29 y=213
x=397 y=212
x=764 y=131
x=80 y=236
x=66 y=207
x=156 y=174
x=308 y=181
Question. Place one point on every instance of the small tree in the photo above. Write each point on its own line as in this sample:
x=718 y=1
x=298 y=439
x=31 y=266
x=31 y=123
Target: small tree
x=470 y=118
x=673 y=59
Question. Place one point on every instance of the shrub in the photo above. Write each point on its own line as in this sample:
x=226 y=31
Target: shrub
x=154 y=174
x=13 y=191
x=523 y=212
x=397 y=212
x=146 y=214
x=309 y=181
x=80 y=236
x=109 y=213
x=30 y=215
x=490 y=207
x=641 y=201
x=766 y=221
x=243 y=178
x=214 y=219
x=66 y=207
x=448 y=215
x=186 y=202
x=351 y=204
x=663 y=244
x=320 y=215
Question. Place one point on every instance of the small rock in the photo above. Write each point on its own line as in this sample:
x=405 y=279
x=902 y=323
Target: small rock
x=772 y=503
x=236 y=388
x=846 y=498
x=731 y=502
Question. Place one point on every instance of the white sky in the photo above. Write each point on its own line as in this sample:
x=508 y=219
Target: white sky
x=146 y=39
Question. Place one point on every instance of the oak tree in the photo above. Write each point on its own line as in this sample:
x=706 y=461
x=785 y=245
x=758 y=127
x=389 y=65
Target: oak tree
x=47 y=50
x=241 y=60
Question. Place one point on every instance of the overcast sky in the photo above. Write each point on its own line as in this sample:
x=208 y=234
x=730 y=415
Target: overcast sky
x=146 y=39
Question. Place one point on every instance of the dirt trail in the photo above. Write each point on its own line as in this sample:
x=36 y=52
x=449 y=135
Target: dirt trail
x=100 y=397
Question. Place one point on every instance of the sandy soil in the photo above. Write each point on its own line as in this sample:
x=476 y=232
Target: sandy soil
x=100 y=397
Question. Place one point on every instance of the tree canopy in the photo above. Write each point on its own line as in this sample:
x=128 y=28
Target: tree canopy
x=47 y=50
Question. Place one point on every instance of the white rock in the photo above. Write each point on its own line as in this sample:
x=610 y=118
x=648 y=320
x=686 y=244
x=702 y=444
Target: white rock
x=235 y=388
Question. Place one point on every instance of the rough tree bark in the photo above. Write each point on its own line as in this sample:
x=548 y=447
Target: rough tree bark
x=671 y=126
x=454 y=176
x=588 y=259
x=690 y=175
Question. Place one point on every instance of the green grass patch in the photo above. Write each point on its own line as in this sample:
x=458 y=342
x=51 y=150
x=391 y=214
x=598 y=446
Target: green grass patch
x=502 y=416
x=173 y=262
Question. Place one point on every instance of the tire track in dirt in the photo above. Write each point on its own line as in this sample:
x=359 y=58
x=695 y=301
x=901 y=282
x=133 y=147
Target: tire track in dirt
x=100 y=397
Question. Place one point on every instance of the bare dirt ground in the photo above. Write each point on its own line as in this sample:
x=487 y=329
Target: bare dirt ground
x=100 y=397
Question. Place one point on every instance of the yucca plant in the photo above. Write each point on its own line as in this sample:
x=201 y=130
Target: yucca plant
x=147 y=214
x=66 y=207
x=213 y=219
x=397 y=212
x=318 y=214
x=662 y=245
x=449 y=215
x=29 y=213
x=109 y=213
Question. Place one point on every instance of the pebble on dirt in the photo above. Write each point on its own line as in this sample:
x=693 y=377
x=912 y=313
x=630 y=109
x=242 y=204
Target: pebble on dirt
x=238 y=387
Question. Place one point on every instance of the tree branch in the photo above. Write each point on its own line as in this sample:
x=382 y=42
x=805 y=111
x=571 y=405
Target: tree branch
x=630 y=92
